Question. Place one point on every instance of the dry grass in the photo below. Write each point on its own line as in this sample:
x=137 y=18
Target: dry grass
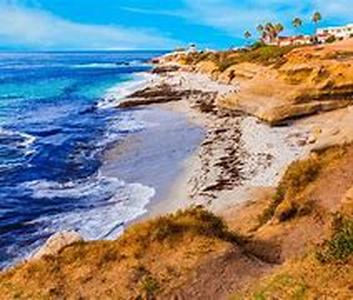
x=297 y=177
x=325 y=273
x=339 y=247
x=290 y=199
x=304 y=279
x=323 y=269
x=147 y=260
x=156 y=258
x=264 y=55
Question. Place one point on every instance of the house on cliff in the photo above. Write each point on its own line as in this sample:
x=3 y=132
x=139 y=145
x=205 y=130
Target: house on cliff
x=339 y=32
x=283 y=41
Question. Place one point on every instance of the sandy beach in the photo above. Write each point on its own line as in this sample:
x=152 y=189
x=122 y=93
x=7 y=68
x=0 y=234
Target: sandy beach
x=239 y=154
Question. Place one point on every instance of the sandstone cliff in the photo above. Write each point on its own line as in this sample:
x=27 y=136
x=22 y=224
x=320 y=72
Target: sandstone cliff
x=280 y=84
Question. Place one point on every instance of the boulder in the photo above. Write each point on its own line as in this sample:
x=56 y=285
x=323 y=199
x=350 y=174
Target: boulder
x=56 y=243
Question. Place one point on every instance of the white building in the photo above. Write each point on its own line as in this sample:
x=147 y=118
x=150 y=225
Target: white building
x=339 y=32
x=192 y=48
x=283 y=41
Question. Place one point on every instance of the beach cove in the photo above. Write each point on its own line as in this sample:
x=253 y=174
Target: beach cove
x=212 y=184
x=239 y=155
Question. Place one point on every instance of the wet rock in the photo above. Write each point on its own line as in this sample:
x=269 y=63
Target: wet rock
x=162 y=93
x=163 y=69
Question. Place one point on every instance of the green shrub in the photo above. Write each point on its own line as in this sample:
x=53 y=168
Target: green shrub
x=267 y=55
x=257 y=53
x=340 y=246
x=331 y=39
x=257 y=45
x=194 y=221
x=297 y=177
x=150 y=287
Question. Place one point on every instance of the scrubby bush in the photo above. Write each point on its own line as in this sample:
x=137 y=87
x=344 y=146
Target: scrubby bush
x=261 y=54
x=150 y=287
x=257 y=45
x=193 y=221
x=340 y=246
x=258 y=53
x=297 y=177
x=331 y=39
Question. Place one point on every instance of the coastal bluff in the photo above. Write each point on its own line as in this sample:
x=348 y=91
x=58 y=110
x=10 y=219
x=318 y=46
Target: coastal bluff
x=279 y=84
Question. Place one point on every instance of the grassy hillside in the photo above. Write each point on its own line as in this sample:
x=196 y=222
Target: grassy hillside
x=150 y=258
x=325 y=272
x=299 y=246
x=261 y=54
x=310 y=209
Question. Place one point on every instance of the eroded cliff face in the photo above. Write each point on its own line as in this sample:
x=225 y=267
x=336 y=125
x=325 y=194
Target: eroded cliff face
x=304 y=81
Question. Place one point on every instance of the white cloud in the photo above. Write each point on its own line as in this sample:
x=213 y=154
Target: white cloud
x=154 y=11
x=34 y=28
x=339 y=10
x=236 y=16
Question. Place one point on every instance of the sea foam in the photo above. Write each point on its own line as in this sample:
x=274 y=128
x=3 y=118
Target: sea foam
x=122 y=90
x=105 y=205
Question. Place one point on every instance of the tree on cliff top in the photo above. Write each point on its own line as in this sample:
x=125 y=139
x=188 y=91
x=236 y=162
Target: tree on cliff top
x=247 y=35
x=317 y=17
x=297 y=22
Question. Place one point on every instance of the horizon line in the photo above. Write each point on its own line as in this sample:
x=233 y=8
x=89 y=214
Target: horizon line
x=83 y=50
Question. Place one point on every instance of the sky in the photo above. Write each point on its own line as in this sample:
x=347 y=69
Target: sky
x=152 y=24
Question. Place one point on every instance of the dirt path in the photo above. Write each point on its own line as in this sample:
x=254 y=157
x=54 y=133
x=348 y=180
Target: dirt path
x=221 y=275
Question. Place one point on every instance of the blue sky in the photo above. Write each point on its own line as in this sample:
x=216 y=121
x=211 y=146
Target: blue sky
x=150 y=24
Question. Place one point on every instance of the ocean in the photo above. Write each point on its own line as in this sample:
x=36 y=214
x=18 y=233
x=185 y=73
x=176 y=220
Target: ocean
x=57 y=121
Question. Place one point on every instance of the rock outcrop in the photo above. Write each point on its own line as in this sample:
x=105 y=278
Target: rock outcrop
x=56 y=243
x=298 y=88
x=305 y=81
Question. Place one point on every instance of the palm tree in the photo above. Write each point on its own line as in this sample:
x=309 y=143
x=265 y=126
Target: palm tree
x=247 y=35
x=278 y=28
x=297 y=22
x=316 y=19
x=269 y=31
x=260 y=28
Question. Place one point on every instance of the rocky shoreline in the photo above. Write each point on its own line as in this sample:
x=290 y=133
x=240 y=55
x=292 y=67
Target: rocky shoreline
x=240 y=155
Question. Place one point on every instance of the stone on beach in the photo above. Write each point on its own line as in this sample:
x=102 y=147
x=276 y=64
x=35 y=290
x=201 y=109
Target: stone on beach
x=57 y=242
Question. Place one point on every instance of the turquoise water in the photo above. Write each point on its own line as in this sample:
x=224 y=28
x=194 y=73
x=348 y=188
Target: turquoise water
x=53 y=135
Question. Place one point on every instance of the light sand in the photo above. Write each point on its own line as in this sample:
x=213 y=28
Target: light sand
x=260 y=156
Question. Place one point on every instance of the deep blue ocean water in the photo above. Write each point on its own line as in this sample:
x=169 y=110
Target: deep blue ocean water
x=55 y=125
